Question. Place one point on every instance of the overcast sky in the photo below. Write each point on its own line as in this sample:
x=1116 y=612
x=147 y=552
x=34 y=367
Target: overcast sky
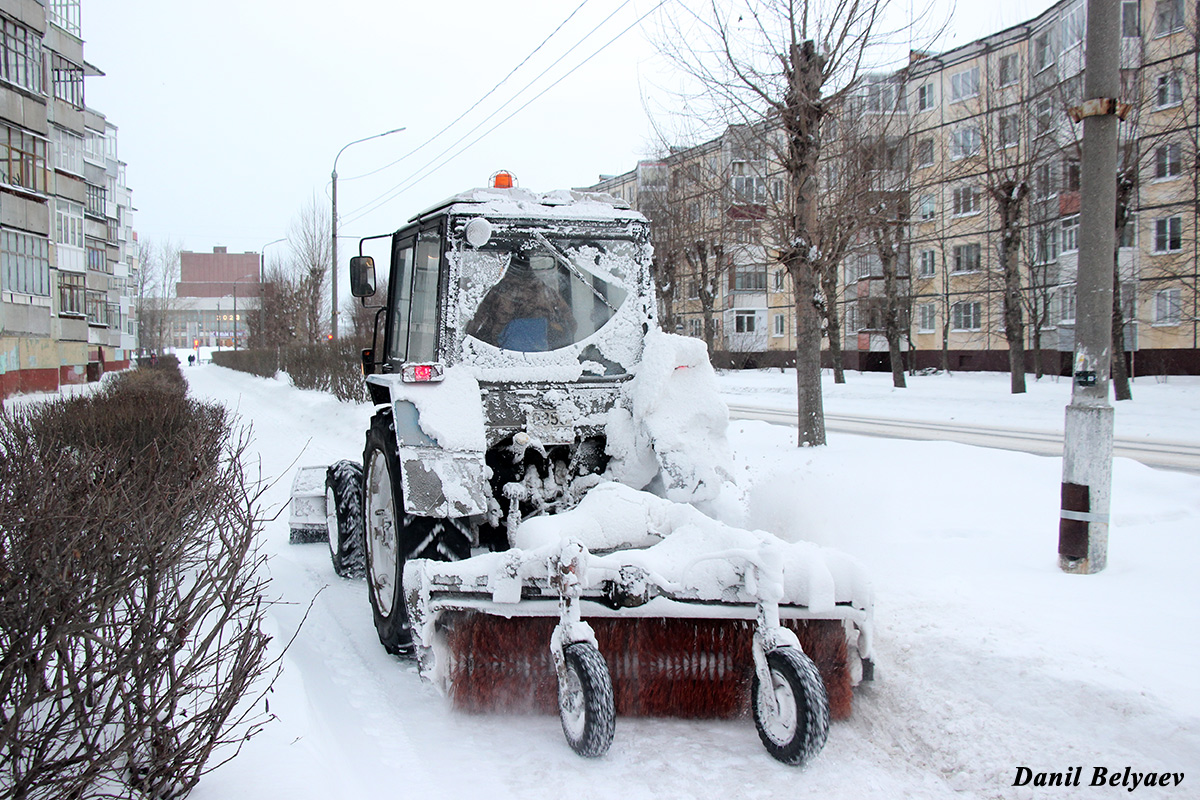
x=231 y=111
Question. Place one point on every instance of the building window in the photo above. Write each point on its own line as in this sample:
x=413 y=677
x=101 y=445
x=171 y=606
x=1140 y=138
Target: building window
x=927 y=207
x=1010 y=130
x=695 y=328
x=1043 y=51
x=1168 y=307
x=97 y=258
x=1043 y=120
x=94 y=147
x=95 y=200
x=750 y=279
x=925 y=97
x=22 y=58
x=966 y=257
x=966 y=200
x=779 y=283
x=1008 y=69
x=927 y=264
x=1129 y=232
x=23 y=159
x=851 y=318
x=97 y=308
x=67 y=79
x=1073 y=27
x=966 y=316
x=779 y=325
x=68 y=149
x=1168 y=16
x=1167 y=161
x=926 y=317
x=925 y=152
x=70 y=294
x=964 y=85
x=65 y=14
x=1130 y=19
x=1070 y=233
x=1044 y=181
x=1066 y=304
x=1070 y=175
x=1045 y=244
x=68 y=223
x=1168 y=234
x=1169 y=90
x=862 y=266
x=964 y=142
x=24 y=263
x=743 y=321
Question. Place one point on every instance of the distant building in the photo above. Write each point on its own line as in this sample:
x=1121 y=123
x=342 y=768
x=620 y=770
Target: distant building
x=213 y=298
x=68 y=273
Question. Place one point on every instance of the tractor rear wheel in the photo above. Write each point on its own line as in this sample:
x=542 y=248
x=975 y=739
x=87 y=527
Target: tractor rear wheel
x=792 y=715
x=344 y=517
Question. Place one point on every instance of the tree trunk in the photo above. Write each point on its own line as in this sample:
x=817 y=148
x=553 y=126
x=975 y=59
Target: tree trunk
x=810 y=411
x=1120 y=375
x=1009 y=205
x=833 y=322
x=891 y=320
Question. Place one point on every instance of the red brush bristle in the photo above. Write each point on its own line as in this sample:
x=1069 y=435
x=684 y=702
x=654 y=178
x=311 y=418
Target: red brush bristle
x=661 y=667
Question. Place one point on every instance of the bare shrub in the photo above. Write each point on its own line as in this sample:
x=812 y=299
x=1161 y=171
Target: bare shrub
x=131 y=594
x=334 y=367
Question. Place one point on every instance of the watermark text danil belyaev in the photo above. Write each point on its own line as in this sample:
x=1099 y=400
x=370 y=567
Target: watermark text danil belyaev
x=1098 y=776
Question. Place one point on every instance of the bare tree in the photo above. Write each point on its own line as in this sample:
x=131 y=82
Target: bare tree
x=310 y=250
x=159 y=272
x=770 y=65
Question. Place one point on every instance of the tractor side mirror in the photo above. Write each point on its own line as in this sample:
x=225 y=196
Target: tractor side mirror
x=362 y=276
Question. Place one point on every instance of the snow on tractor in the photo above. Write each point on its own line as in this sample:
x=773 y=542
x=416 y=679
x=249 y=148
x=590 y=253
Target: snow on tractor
x=527 y=513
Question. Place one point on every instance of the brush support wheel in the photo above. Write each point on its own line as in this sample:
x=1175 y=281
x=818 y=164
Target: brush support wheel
x=792 y=715
x=585 y=701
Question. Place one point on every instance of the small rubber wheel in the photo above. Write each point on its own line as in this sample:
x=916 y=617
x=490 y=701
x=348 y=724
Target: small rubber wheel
x=344 y=518
x=792 y=717
x=585 y=701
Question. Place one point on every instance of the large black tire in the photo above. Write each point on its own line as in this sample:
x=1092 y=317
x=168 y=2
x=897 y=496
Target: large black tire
x=585 y=701
x=392 y=537
x=793 y=728
x=344 y=515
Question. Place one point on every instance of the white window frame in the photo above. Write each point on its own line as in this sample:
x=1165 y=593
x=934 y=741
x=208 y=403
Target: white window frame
x=966 y=201
x=1168 y=234
x=926 y=317
x=1168 y=90
x=1168 y=17
x=1014 y=76
x=966 y=315
x=1070 y=233
x=964 y=142
x=927 y=263
x=970 y=255
x=1067 y=304
x=926 y=149
x=964 y=84
x=1168 y=161
x=744 y=320
x=927 y=207
x=779 y=325
x=1168 y=307
x=925 y=97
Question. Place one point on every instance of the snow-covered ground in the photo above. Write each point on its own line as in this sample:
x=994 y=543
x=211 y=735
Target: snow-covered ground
x=988 y=657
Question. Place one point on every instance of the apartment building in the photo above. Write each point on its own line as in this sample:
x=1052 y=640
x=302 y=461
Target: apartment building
x=947 y=144
x=68 y=267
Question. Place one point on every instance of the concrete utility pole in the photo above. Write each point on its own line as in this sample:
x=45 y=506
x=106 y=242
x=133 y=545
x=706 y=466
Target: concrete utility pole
x=1088 y=437
x=333 y=275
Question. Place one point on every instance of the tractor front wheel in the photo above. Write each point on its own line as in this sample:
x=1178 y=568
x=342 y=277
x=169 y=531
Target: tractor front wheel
x=384 y=532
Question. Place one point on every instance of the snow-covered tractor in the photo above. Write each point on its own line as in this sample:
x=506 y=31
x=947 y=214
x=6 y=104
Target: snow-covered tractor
x=526 y=510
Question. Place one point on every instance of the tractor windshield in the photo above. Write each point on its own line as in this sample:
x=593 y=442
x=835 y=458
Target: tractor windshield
x=540 y=292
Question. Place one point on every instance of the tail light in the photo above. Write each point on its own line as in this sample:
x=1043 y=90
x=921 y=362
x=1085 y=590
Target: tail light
x=422 y=373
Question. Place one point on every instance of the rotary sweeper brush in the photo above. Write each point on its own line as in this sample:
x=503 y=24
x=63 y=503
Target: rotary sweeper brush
x=524 y=513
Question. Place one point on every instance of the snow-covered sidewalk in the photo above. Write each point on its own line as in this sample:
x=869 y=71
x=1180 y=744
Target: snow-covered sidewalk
x=988 y=658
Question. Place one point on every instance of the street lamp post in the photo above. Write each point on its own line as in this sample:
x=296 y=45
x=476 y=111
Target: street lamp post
x=262 y=261
x=334 y=272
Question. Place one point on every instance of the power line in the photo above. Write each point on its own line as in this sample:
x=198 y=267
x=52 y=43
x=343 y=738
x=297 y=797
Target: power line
x=474 y=105
x=416 y=177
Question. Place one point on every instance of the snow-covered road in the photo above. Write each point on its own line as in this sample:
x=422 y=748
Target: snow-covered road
x=988 y=657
